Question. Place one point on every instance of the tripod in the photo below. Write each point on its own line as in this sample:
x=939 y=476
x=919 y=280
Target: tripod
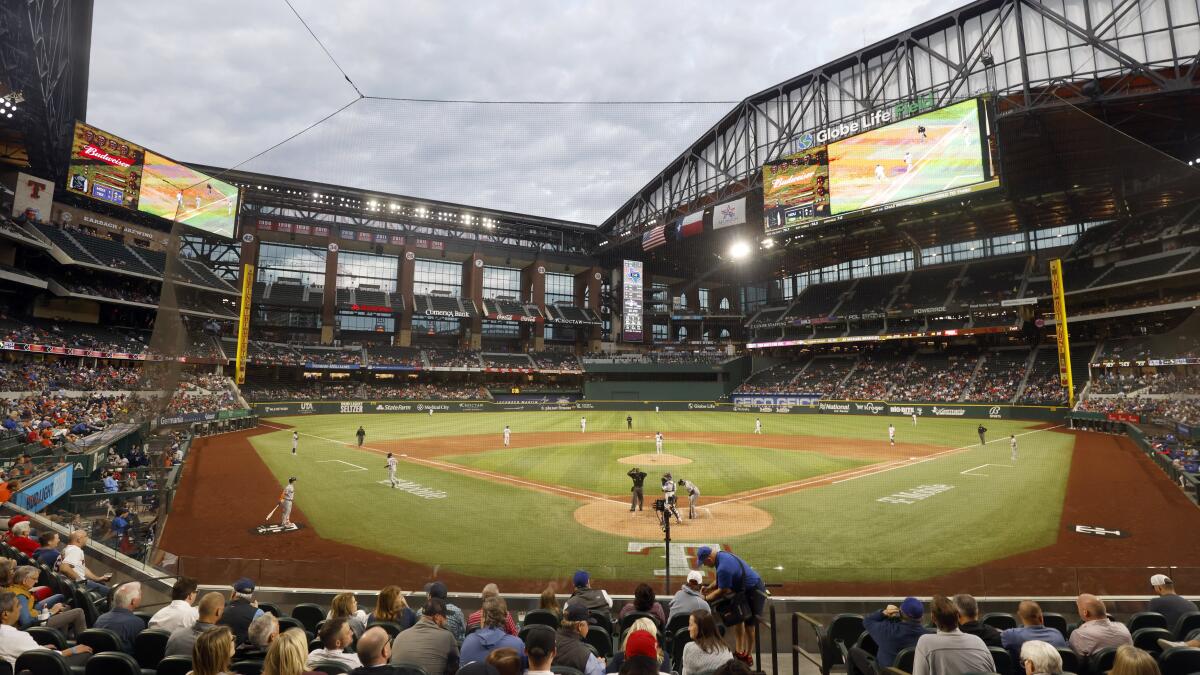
x=664 y=522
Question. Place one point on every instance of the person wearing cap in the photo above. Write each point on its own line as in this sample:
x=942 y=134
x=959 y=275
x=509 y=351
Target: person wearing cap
x=1168 y=603
x=1096 y=631
x=492 y=634
x=640 y=644
x=241 y=610
x=456 y=621
x=735 y=576
x=893 y=629
x=571 y=650
x=592 y=598
x=635 y=493
x=689 y=598
x=949 y=650
x=428 y=643
x=285 y=500
x=540 y=642
x=1032 y=628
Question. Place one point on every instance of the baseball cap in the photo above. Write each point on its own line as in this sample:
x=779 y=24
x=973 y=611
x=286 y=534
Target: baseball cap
x=435 y=589
x=292 y=479
x=702 y=555
x=581 y=578
x=695 y=576
x=641 y=643
x=434 y=606
x=244 y=585
x=912 y=608
x=577 y=611
x=1160 y=580
x=540 y=637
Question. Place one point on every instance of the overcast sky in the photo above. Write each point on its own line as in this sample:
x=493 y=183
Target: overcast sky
x=219 y=81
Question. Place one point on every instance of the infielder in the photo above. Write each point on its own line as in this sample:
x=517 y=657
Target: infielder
x=507 y=435
x=361 y=434
x=635 y=498
x=1012 y=445
x=582 y=425
x=757 y=426
x=693 y=496
x=668 y=488
x=286 y=499
x=658 y=442
x=295 y=441
x=891 y=434
x=391 y=467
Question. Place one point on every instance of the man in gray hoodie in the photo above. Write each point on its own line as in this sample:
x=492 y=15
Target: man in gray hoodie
x=689 y=598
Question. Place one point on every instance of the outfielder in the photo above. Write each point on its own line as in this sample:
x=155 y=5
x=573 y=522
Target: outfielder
x=658 y=442
x=693 y=496
x=361 y=434
x=635 y=498
x=668 y=488
x=507 y=435
x=582 y=425
x=391 y=467
x=295 y=441
x=1012 y=444
x=286 y=499
x=891 y=434
x=757 y=426
x=914 y=419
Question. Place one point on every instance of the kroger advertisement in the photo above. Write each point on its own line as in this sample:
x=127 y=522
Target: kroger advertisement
x=870 y=164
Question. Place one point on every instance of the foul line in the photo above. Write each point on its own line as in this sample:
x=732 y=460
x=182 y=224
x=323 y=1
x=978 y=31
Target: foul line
x=981 y=475
x=457 y=468
x=356 y=467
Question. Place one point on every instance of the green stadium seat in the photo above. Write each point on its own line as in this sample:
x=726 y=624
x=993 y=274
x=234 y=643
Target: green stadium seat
x=393 y=629
x=149 y=646
x=680 y=638
x=905 y=658
x=100 y=640
x=49 y=637
x=601 y=640
x=834 y=640
x=628 y=619
x=1069 y=658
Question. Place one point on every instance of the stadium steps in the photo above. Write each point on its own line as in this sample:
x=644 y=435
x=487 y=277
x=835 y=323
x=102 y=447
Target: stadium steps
x=969 y=388
x=1028 y=371
x=849 y=374
x=133 y=251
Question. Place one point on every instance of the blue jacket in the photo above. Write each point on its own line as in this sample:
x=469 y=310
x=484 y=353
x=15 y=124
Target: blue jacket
x=1012 y=638
x=124 y=623
x=484 y=641
x=892 y=636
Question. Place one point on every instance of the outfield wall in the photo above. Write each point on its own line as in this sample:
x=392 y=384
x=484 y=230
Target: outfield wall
x=773 y=405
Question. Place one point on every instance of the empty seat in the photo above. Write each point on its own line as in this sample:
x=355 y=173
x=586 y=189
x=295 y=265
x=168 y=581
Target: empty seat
x=100 y=640
x=112 y=663
x=309 y=615
x=149 y=646
x=999 y=620
x=175 y=665
x=541 y=617
x=1146 y=620
x=1179 y=661
x=43 y=662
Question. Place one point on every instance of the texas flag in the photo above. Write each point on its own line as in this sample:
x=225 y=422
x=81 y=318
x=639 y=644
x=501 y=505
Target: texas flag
x=691 y=225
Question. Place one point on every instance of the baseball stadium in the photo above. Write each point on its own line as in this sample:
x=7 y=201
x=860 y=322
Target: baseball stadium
x=906 y=345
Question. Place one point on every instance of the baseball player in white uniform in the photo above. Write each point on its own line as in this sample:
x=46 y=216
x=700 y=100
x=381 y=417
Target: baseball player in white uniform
x=1012 y=444
x=295 y=441
x=914 y=419
x=757 y=426
x=582 y=425
x=391 y=467
x=668 y=488
x=891 y=434
x=507 y=435
x=286 y=499
x=658 y=442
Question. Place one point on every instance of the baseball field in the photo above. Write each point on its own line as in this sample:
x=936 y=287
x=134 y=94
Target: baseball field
x=813 y=501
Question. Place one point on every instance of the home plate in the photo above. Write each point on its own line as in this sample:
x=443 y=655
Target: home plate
x=275 y=529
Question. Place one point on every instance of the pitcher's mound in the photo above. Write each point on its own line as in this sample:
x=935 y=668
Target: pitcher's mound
x=710 y=524
x=652 y=459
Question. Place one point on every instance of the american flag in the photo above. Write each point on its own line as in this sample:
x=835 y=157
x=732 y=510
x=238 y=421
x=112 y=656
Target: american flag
x=654 y=238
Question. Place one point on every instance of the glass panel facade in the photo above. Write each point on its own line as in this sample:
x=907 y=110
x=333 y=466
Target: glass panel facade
x=356 y=269
x=560 y=288
x=281 y=260
x=501 y=281
x=436 y=275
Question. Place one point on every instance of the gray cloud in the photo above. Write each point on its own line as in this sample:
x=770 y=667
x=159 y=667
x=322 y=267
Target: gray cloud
x=219 y=81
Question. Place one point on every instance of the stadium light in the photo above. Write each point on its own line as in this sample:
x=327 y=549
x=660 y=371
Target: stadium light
x=739 y=250
x=768 y=243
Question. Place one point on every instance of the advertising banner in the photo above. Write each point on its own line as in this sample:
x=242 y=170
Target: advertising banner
x=41 y=493
x=631 y=301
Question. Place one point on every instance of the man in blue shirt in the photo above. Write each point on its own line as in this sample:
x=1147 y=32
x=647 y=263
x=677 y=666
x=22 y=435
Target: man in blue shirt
x=47 y=553
x=893 y=629
x=121 y=619
x=110 y=483
x=1032 y=628
x=735 y=576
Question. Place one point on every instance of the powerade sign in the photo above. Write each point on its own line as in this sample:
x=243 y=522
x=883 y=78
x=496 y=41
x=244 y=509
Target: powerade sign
x=44 y=492
x=776 y=400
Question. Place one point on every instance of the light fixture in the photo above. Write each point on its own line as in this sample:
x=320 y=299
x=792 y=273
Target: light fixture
x=739 y=250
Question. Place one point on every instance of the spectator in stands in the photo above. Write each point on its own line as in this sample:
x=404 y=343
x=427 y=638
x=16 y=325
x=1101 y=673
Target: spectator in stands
x=689 y=598
x=1040 y=658
x=428 y=643
x=47 y=552
x=121 y=619
x=61 y=617
x=1168 y=603
x=345 y=606
x=549 y=602
x=374 y=650
x=181 y=612
x=391 y=606
x=571 y=650
x=707 y=651
x=473 y=621
x=75 y=567
x=1032 y=628
x=110 y=482
x=456 y=622
x=540 y=644
x=893 y=628
x=644 y=602
x=589 y=597
x=950 y=651
x=1097 y=631
x=506 y=661
x=209 y=610
x=646 y=625
x=15 y=642
x=1133 y=661
x=241 y=610
x=336 y=636
x=213 y=652
x=21 y=540
x=642 y=653
x=493 y=633
x=263 y=631
x=968 y=621
x=287 y=655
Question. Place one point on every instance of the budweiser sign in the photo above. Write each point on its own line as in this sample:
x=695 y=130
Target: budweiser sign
x=92 y=152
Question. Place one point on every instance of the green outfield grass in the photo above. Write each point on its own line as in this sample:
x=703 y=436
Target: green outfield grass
x=835 y=532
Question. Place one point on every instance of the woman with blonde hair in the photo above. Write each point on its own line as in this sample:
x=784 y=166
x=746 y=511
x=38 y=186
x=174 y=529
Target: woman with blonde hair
x=645 y=624
x=391 y=606
x=287 y=654
x=1133 y=661
x=345 y=606
x=213 y=652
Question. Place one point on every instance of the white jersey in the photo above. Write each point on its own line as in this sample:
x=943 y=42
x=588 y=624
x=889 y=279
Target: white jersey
x=289 y=493
x=392 y=462
x=658 y=441
x=757 y=426
x=891 y=431
x=914 y=419
x=583 y=424
x=668 y=489
x=1012 y=443
x=295 y=440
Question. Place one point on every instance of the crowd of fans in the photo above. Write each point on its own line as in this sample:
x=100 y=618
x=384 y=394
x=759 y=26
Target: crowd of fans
x=555 y=359
x=70 y=375
x=997 y=380
x=774 y=380
x=453 y=358
x=872 y=379
x=425 y=392
x=395 y=356
x=1043 y=388
x=936 y=378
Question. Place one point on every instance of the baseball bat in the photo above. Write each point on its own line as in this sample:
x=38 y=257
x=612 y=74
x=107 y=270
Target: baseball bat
x=271 y=513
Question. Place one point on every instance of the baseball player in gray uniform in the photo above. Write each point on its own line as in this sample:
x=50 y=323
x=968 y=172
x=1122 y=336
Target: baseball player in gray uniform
x=286 y=499
x=693 y=496
x=391 y=468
